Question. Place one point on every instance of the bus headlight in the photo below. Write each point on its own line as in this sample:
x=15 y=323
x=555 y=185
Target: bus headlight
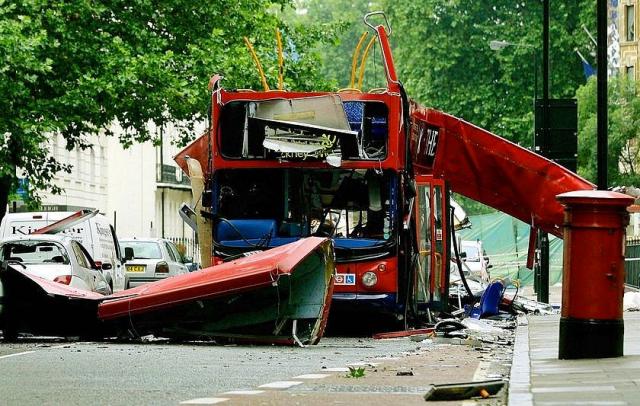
x=369 y=279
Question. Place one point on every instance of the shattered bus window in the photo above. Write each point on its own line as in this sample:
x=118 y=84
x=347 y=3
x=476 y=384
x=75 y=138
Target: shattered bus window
x=276 y=206
x=313 y=128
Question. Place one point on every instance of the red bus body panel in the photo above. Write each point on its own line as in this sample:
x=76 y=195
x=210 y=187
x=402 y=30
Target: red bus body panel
x=497 y=172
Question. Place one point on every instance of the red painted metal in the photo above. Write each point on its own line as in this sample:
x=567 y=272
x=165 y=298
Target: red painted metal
x=591 y=325
x=472 y=161
x=52 y=288
x=392 y=79
x=387 y=279
x=40 y=306
x=199 y=149
x=41 y=303
x=594 y=235
x=61 y=225
x=232 y=277
x=496 y=172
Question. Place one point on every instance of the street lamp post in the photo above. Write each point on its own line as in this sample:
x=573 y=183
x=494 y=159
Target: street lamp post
x=542 y=265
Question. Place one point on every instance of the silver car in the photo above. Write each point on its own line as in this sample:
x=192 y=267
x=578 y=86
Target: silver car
x=54 y=257
x=151 y=259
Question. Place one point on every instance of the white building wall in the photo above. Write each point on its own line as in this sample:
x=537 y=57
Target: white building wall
x=86 y=185
x=124 y=185
x=131 y=184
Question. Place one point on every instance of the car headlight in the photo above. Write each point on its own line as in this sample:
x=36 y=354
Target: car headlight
x=369 y=279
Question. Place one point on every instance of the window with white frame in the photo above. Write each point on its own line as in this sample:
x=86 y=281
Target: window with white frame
x=630 y=16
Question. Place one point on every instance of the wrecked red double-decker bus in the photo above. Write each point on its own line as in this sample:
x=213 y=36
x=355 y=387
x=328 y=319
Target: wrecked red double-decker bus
x=282 y=182
x=371 y=170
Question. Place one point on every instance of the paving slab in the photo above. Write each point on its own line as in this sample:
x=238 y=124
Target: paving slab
x=538 y=377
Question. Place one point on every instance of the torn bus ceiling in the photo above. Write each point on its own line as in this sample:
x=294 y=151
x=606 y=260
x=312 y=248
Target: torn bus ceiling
x=35 y=305
x=280 y=296
x=492 y=170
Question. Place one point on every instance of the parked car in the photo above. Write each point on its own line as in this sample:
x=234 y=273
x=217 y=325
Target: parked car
x=151 y=259
x=88 y=227
x=476 y=260
x=58 y=258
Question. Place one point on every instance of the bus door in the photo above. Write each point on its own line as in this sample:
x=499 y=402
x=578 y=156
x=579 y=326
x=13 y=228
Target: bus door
x=432 y=273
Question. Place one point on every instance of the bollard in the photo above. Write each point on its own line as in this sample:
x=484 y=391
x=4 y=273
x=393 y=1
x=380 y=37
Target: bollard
x=591 y=324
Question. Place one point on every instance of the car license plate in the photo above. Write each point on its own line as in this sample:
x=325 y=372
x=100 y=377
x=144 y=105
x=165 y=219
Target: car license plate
x=135 y=268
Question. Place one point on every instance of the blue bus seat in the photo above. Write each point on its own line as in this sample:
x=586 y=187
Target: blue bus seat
x=245 y=229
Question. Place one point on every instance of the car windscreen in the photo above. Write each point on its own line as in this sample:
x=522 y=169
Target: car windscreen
x=34 y=252
x=143 y=249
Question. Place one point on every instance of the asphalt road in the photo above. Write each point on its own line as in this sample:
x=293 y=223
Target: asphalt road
x=78 y=373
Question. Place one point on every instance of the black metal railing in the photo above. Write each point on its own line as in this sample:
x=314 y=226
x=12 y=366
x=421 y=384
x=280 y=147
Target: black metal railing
x=632 y=262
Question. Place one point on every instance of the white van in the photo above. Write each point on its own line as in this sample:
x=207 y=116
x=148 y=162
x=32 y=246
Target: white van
x=89 y=228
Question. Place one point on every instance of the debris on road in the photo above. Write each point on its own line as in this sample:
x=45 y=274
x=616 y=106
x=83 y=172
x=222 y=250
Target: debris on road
x=403 y=333
x=631 y=301
x=464 y=390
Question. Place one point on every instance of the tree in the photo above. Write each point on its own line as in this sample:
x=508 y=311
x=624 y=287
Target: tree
x=74 y=68
x=623 y=131
x=443 y=55
x=345 y=17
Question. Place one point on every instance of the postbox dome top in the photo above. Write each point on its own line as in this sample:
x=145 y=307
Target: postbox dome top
x=595 y=197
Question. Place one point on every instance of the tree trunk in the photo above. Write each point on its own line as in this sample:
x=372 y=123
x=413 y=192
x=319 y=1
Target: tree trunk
x=5 y=186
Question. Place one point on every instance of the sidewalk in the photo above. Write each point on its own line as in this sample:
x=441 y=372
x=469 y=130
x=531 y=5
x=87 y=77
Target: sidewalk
x=538 y=377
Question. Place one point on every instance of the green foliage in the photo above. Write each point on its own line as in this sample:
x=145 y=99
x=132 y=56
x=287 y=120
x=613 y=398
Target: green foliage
x=345 y=20
x=76 y=67
x=356 y=372
x=443 y=55
x=471 y=207
x=623 y=131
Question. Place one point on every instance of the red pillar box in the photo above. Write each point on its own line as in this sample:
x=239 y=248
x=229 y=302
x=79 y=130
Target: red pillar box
x=591 y=325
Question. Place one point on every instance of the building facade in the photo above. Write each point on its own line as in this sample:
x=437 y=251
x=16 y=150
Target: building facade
x=627 y=23
x=139 y=188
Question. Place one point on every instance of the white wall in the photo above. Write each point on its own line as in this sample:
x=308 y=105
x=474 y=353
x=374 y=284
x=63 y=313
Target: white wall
x=86 y=185
x=121 y=183
x=131 y=184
